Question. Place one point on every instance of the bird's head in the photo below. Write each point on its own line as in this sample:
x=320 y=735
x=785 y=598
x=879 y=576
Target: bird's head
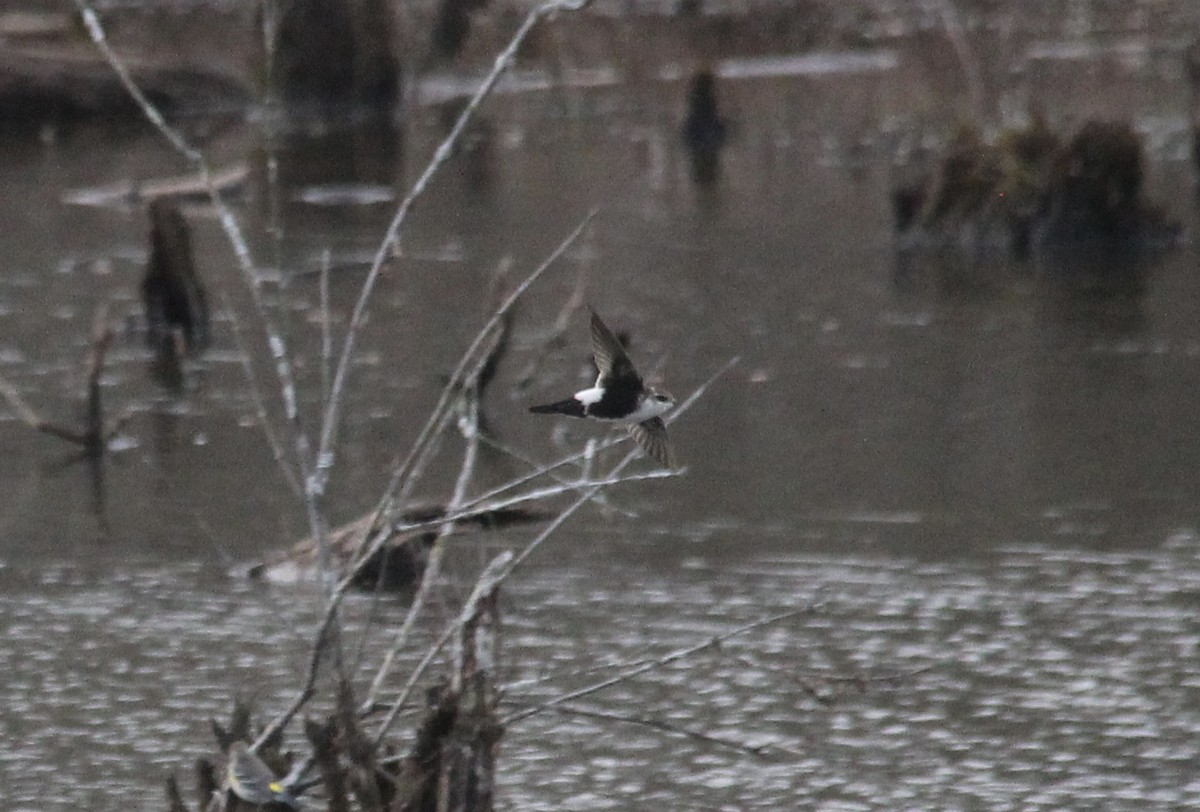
x=662 y=401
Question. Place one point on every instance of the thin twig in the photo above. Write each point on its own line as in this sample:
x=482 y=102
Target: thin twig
x=602 y=445
x=260 y=405
x=600 y=498
x=391 y=237
x=488 y=502
x=957 y=34
x=511 y=564
x=529 y=682
x=19 y=405
x=326 y=328
x=666 y=727
x=557 y=330
x=374 y=538
x=653 y=665
x=227 y=219
x=470 y=429
x=487 y=581
x=94 y=435
x=401 y=482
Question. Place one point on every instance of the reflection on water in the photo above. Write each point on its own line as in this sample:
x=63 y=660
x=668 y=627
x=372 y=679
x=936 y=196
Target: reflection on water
x=982 y=469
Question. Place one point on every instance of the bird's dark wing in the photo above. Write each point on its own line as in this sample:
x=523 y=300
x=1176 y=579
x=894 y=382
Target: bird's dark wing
x=651 y=435
x=611 y=360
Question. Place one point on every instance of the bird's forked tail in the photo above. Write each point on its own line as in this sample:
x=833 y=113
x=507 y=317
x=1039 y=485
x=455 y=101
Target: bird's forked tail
x=570 y=407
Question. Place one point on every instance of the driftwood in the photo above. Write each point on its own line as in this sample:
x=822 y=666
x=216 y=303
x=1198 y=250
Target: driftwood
x=396 y=565
x=228 y=180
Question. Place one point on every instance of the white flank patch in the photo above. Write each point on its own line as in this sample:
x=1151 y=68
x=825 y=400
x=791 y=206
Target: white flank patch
x=591 y=396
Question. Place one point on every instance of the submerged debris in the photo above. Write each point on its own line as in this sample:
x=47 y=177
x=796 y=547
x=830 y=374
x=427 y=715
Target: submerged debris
x=95 y=433
x=132 y=192
x=1031 y=188
x=399 y=562
x=60 y=84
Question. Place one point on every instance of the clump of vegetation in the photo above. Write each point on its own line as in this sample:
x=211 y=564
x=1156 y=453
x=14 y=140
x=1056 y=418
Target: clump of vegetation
x=1032 y=187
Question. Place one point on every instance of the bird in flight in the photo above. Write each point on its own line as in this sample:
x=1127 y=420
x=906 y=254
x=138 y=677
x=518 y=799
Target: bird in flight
x=620 y=396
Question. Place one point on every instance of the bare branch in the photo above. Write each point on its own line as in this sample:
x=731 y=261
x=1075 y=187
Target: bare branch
x=487 y=581
x=391 y=237
x=653 y=665
x=260 y=406
x=401 y=480
x=19 y=405
x=600 y=498
x=94 y=435
x=666 y=727
x=674 y=415
x=557 y=330
x=470 y=429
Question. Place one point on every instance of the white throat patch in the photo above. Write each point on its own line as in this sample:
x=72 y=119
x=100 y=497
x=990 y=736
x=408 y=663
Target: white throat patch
x=649 y=408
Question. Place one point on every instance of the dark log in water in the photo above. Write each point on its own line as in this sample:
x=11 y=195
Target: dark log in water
x=398 y=564
x=57 y=85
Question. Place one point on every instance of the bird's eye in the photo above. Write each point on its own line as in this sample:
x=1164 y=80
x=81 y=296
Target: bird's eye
x=661 y=398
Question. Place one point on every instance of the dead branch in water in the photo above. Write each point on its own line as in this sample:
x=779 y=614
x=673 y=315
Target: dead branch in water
x=652 y=665
x=663 y=727
x=94 y=435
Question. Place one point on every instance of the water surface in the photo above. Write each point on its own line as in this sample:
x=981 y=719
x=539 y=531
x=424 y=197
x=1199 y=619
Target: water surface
x=979 y=471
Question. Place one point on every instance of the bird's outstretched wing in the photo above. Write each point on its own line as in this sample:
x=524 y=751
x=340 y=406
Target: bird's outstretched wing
x=651 y=435
x=611 y=360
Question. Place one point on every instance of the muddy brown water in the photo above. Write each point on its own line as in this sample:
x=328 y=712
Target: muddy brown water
x=982 y=471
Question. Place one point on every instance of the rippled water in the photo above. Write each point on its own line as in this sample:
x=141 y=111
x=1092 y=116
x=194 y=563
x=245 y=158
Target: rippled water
x=978 y=475
x=1032 y=678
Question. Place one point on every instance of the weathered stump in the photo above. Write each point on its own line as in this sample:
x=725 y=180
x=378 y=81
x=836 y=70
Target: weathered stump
x=174 y=298
x=335 y=55
x=451 y=766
